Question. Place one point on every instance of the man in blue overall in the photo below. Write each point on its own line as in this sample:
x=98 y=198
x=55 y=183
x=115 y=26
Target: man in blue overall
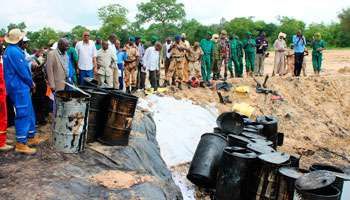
x=19 y=82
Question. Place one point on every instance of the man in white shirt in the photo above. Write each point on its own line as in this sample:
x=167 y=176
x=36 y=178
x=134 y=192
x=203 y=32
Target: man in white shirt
x=151 y=60
x=106 y=63
x=87 y=53
x=166 y=54
x=111 y=46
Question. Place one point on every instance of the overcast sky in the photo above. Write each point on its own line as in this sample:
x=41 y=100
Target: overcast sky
x=65 y=14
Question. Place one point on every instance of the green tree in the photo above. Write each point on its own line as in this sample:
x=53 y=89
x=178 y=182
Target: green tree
x=114 y=19
x=2 y=32
x=290 y=26
x=164 y=12
x=77 y=32
x=41 y=38
x=325 y=31
x=21 y=26
x=191 y=28
x=240 y=26
x=344 y=35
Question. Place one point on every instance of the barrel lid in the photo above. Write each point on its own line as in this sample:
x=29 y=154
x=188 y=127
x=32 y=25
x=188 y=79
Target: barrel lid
x=252 y=135
x=240 y=152
x=250 y=128
x=215 y=134
x=247 y=120
x=262 y=141
x=344 y=176
x=315 y=180
x=244 y=139
x=259 y=148
x=291 y=172
x=338 y=172
x=275 y=158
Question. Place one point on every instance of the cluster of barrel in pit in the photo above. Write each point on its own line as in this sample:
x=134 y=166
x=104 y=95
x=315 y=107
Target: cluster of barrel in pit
x=91 y=114
x=240 y=161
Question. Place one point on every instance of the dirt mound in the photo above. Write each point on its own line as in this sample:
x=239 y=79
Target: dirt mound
x=344 y=70
x=314 y=115
x=116 y=179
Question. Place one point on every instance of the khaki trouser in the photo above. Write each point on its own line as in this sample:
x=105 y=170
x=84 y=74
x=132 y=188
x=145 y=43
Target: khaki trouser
x=130 y=75
x=103 y=79
x=186 y=70
x=195 y=69
x=115 y=78
x=259 y=64
x=176 y=66
x=279 y=63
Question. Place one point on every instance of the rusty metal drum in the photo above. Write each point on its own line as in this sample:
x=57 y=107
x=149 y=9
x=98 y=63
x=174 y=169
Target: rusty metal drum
x=71 y=121
x=120 y=114
x=97 y=113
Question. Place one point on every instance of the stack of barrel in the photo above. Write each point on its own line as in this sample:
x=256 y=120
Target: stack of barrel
x=111 y=115
x=92 y=114
x=240 y=161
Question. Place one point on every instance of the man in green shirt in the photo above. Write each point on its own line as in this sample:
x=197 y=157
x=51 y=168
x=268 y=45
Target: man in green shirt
x=207 y=47
x=236 y=55
x=318 y=45
x=98 y=43
x=249 y=45
x=232 y=55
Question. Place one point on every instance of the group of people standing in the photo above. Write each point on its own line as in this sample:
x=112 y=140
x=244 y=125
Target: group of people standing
x=31 y=80
x=292 y=60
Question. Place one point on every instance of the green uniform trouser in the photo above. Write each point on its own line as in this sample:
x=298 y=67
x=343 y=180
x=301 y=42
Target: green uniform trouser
x=206 y=67
x=249 y=61
x=317 y=62
x=238 y=66
x=230 y=61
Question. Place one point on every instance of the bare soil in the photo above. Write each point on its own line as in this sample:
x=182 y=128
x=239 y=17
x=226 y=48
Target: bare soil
x=314 y=114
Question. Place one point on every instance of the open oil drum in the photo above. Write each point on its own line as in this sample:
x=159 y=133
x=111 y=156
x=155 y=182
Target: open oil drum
x=270 y=130
x=205 y=162
x=339 y=174
x=71 y=121
x=230 y=122
x=99 y=102
x=233 y=173
x=286 y=180
x=120 y=114
x=316 y=185
x=264 y=184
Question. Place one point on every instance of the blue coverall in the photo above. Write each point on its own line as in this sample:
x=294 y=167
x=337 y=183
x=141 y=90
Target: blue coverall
x=19 y=81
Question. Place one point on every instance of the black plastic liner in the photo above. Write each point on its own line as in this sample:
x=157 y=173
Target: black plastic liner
x=205 y=162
